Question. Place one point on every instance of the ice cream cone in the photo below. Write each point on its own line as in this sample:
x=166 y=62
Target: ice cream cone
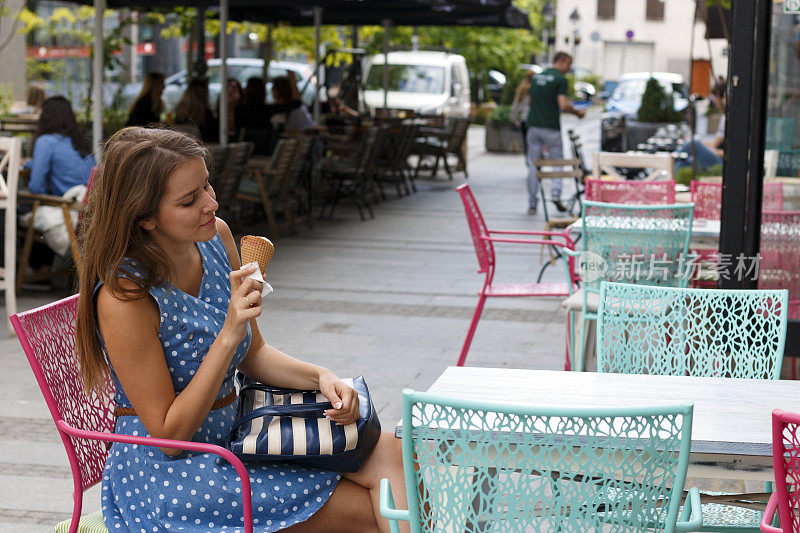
x=257 y=249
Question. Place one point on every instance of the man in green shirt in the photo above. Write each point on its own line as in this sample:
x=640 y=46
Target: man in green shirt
x=548 y=100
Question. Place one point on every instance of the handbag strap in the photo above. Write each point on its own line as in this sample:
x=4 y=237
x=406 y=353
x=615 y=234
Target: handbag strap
x=302 y=410
x=266 y=388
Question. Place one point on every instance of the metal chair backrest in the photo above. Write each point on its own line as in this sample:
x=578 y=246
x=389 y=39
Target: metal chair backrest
x=577 y=151
x=47 y=335
x=491 y=466
x=639 y=244
x=707 y=198
x=632 y=192
x=484 y=249
x=780 y=255
x=554 y=169
x=725 y=333
x=786 y=464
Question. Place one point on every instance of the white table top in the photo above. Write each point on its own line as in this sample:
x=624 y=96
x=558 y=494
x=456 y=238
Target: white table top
x=731 y=416
x=700 y=227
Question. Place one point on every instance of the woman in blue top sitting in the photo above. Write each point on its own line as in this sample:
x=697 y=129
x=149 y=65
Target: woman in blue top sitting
x=61 y=155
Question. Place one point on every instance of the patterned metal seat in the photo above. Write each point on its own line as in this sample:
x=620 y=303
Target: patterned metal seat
x=694 y=332
x=786 y=464
x=641 y=244
x=632 y=192
x=480 y=466
x=85 y=422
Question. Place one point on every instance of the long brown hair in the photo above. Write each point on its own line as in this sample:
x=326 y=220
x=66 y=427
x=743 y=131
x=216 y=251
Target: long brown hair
x=125 y=191
x=57 y=117
x=193 y=104
x=151 y=80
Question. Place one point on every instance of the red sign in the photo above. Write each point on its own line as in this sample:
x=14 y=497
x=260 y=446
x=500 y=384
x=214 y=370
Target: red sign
x=210 y=50
x=52 y=52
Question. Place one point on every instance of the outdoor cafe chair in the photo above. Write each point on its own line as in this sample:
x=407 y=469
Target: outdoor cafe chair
x=268 y=181
x=785 y=500
x=707 y=198
x=85 y=422
x=491 y=466
x=439 y=143
x=634 y=192
x=641 y=244
x=780 y=255
x=694 y=332
x=483 y=239
x=226 y=183
x=10 y=160
x=725 y=333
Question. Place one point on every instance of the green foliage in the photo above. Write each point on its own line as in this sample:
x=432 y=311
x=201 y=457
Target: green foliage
x=6 y=99
x=657 y=104
x=36 y=70
x=501 y=116
x=684 y=175
x=570 y=85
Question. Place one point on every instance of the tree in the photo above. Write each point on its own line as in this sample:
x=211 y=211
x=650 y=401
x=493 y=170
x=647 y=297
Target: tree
x=657 y=104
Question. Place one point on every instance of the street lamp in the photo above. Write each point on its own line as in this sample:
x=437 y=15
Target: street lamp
x=548 y=16
x=575 y=18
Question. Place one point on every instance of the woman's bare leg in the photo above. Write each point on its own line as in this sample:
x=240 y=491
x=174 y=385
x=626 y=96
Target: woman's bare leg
x=349 y=509
x=385 y=461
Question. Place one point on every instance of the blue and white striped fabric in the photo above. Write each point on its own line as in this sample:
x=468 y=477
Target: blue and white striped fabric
x=311 y=439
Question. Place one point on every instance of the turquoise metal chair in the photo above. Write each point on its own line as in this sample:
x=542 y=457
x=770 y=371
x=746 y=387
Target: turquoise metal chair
x=694 y=332
x=481 y=466
x=641 y=244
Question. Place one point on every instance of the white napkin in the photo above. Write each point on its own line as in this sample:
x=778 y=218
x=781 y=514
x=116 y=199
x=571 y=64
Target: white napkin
x=266 y=288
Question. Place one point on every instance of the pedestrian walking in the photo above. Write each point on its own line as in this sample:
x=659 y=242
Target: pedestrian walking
x=548 y=99
x=520 y=108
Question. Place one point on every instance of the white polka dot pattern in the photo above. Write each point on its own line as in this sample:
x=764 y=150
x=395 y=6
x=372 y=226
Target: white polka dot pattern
x=145 y=490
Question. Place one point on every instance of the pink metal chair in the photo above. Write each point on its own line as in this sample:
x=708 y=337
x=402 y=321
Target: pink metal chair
x=780 y=255
x=631 y=192
x=786 y=463
x=86 y=422
x=707 y=198
x=484 y=240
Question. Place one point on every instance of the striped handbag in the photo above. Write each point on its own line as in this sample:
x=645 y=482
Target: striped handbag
x=289 y=425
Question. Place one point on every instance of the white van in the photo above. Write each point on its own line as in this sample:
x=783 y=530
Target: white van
x=426 y=82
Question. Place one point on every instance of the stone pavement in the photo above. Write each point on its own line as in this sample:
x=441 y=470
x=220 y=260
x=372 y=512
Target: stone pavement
x=389 y=298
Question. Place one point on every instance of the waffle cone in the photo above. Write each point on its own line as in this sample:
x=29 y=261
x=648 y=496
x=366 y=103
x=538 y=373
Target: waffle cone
x=255 y=248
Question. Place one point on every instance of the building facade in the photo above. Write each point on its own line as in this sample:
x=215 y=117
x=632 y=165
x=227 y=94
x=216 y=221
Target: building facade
x=612 y=37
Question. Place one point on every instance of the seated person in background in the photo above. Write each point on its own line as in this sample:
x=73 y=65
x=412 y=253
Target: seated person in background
x=146 y=109
x=296 y=120
x=234 y=99
x=62 y=157
x=711 y=152
x=194 y=108
x=254 y=115
x=34 y=99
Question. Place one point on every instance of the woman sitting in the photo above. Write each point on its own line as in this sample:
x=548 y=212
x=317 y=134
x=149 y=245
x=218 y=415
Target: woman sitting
x=253 y=118
x=165 y=301
x=146 y=109
x=234 y=99
x=61 y=155
x=194 y=108
x=296 y=120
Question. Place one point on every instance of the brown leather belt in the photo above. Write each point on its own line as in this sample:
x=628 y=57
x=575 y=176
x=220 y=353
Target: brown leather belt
x=222 y=402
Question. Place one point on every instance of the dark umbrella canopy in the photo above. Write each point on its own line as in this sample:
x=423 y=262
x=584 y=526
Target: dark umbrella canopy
x=498 y=13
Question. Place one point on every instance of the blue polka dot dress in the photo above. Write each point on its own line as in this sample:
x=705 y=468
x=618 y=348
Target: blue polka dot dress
x=144 y=490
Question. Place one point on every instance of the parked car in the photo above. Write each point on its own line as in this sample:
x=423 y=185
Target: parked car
x=619 y=127
x=240 y=68
x=495 y=83
x=425 y=82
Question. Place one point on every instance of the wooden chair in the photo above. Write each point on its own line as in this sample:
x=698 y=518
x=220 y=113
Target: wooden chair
x=439 y=143
x=662 y=165
x=267 y=179
x=10 y=158
x=352 y=178
x=226 y=183
x=547 y=169
x=393 y=163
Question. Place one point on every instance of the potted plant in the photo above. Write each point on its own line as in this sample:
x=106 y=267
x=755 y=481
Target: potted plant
x=657 y=109
x=501 y=134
